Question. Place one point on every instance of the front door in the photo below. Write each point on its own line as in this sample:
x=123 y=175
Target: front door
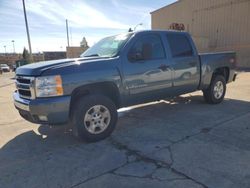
x=148 y=76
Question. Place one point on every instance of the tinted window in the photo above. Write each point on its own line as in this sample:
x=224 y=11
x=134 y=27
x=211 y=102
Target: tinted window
x=150 y=47
x=179 y=45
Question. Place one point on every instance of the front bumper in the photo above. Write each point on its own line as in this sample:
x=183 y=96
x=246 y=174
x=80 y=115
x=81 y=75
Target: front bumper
x=6 y=70
x=54 y=110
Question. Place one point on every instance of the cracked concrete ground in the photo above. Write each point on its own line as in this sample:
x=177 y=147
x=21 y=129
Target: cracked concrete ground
x=184 y=143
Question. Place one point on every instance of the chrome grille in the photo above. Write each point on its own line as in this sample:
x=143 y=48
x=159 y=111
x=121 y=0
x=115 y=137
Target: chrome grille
x=25 y=87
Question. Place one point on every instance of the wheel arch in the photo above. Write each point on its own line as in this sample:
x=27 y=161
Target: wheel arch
x=108 y=89
x=223 y=71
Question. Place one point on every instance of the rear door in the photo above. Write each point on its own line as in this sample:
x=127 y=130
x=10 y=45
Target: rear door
x=185 y=62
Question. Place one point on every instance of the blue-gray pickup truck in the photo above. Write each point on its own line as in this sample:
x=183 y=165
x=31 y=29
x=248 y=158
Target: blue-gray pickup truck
x=119 y=71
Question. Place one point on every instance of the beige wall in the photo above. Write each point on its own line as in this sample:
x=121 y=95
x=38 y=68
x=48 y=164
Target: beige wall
x=9 y=59
x=75 y=52
x=216 y=25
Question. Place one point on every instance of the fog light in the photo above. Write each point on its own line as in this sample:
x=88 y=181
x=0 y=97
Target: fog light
x=43 y=118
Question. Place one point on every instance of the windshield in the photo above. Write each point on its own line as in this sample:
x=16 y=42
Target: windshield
x=107 y=47
x=4 y=65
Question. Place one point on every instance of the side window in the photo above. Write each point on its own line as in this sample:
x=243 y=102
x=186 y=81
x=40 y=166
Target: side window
x=179 y=45
x=147 y=48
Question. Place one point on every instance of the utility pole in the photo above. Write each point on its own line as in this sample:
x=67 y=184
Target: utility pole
x=27 y=30
x=67 y=29
x=13 y=42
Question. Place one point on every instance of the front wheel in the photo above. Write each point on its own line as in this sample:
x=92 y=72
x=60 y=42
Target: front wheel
x=94 y=118
x=215 y=93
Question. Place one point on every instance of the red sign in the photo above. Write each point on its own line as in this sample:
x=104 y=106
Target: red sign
x=177 y=26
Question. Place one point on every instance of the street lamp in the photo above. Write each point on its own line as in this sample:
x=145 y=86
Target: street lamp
x=5 y=49
x=140 y=24
x=13 y=42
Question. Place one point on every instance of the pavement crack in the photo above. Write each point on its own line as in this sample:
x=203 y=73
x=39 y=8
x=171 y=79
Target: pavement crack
x=207 y=129
x=171 y=155
x=89 y=179
x=131 y=176
x=137 y=154
x=170 y=180
x=99 y=175
x=188 y=177
x=157 y=163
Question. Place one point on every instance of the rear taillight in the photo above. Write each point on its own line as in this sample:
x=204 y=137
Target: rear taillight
x=233 y=61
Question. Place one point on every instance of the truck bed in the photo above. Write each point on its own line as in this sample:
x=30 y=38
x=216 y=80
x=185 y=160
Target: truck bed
x=213 y=61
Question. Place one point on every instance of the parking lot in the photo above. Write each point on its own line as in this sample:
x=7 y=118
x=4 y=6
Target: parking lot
x=182 y=143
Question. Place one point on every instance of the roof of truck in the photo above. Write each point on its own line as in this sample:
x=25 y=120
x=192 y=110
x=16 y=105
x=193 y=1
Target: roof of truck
x=159 y=31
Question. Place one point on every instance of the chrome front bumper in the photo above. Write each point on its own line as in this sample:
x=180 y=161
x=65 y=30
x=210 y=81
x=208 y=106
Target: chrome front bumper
x=21 y=103
x=55 y=109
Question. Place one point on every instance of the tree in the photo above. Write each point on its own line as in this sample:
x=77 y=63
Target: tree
x=26 y=55
x=84 y=43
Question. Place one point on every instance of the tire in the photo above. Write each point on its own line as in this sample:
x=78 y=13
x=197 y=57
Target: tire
x=215 y=93
x=94 y=118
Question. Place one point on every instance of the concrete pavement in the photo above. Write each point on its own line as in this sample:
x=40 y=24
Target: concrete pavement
x=184 y=143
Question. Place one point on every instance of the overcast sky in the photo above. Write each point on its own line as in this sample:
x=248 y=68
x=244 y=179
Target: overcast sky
x=93 y=19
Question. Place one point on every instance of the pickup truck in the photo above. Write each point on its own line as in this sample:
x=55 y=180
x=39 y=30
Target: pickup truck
x=119 y=71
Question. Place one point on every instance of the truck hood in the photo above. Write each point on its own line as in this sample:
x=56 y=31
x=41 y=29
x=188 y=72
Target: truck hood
x=36 y=69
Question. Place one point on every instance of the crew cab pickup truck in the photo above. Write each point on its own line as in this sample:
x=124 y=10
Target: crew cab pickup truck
x=119 y=71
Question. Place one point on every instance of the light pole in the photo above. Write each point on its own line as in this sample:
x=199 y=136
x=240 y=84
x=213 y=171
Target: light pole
x=67 y=30
x=4 y=49
x=13 y=42
x=27 y=30
x=140 y=24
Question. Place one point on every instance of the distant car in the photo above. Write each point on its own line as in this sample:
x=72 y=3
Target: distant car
x=4 y=68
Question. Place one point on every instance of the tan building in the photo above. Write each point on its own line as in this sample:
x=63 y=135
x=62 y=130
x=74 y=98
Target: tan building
x=37 y=57
x=9 y=59
x=215 y=25
x=75 y=51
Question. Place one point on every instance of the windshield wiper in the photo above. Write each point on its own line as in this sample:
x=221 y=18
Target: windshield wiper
x=92 y=55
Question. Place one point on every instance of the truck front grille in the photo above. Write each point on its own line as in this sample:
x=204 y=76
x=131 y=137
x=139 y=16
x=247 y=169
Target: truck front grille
x=24 y=86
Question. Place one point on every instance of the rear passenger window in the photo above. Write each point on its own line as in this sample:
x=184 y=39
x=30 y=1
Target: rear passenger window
x=179 y=45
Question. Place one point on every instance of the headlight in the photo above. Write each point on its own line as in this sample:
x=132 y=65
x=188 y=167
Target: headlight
x=48 y=86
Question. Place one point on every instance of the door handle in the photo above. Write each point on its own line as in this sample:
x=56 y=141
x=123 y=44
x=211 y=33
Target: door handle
x=163 y=67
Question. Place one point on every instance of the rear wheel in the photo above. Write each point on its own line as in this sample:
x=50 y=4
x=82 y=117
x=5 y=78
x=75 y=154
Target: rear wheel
x=215 y=93
x=94 y=118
